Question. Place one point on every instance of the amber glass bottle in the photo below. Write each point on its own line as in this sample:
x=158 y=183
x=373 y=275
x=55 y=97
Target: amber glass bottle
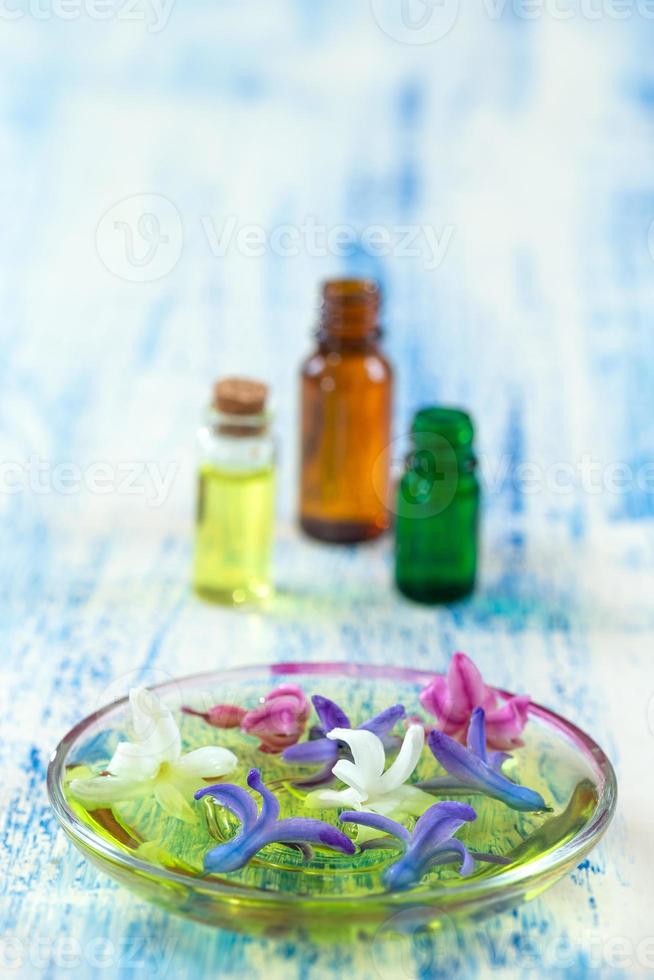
x=346 y=419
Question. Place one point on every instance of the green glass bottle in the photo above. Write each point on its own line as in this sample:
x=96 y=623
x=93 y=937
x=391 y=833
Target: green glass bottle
x=438 y=509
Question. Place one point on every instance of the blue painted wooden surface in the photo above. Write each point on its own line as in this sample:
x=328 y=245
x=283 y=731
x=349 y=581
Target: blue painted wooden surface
x=519 y=150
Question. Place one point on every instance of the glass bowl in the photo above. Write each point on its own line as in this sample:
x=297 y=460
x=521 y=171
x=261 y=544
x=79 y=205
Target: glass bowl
x=333 y=895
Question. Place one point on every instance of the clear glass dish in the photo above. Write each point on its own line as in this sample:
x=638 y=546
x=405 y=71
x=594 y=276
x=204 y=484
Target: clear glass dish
x=333 y=895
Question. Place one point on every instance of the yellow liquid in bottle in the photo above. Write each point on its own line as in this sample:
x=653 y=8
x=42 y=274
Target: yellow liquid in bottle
x=234 y=534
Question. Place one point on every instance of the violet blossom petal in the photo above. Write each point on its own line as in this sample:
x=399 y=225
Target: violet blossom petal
x=497 y=759
x=319 y=752
x=323 y=777
x=453 y=850
x=477 y=735
x=477 y=741
x=329 y=713
x=257 y=832
x=402 y=875
x=376 y=822
x=233 y=855
x=236 y=800
x=407 y=872
x=431 y=842
x=442 y=784
x=384 y=722
x=378 y=844
x=305 y=830
x=439 y=823
x=270 y=803
x=472 y=772
x=411 y=868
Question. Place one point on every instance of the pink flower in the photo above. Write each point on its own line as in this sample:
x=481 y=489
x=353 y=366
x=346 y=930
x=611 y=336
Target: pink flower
x=278 y=722
x=281 y=719
x=453 y=699
x=220 y=716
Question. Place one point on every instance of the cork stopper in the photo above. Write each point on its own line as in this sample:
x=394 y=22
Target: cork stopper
x=236 y=399
x=239 y=396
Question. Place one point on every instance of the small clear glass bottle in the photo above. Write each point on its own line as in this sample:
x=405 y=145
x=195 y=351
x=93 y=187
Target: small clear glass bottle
x=438 y=509
x=236 y=496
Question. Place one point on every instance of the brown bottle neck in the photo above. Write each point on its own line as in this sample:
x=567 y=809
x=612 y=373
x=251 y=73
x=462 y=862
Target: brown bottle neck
x=350 y=312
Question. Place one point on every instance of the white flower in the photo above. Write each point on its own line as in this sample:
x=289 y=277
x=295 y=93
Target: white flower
x=369 y=787
x=153 y=763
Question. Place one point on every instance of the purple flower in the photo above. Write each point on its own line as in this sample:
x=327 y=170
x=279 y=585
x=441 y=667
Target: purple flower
x=259 y=829
x=324 y=752
x=431 y=843
x=475 y=769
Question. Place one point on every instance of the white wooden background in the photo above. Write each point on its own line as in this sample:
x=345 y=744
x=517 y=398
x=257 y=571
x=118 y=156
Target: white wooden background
x=520 y=142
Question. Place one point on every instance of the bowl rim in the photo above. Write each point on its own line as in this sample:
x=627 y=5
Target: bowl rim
x=576 y=847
